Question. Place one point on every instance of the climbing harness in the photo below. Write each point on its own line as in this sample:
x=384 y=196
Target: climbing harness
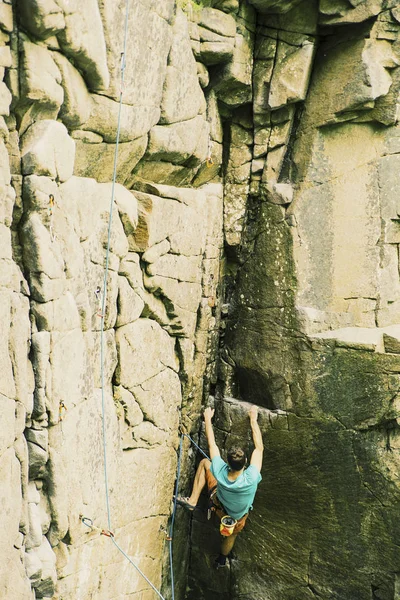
x=51 y=214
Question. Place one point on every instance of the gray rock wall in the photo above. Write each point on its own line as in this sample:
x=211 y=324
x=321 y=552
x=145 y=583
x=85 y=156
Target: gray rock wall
x=253 y=256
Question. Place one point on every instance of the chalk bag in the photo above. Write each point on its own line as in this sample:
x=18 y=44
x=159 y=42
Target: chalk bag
x=227 y=525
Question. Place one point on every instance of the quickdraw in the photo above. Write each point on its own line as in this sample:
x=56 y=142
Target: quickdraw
x=89 y=523
x=99 y=311
x=62 y=408
x=51 y=214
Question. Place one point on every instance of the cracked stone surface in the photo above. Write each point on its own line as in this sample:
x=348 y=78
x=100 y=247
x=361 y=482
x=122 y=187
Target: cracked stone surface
x=253 y=258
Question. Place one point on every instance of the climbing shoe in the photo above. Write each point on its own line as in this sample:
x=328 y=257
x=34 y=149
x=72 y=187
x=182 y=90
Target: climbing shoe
x=221 y=562
x=185 y=503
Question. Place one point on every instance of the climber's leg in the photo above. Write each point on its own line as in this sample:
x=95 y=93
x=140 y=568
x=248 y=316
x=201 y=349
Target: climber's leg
x=199 y=481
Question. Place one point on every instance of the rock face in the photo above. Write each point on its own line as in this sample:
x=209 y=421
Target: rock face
x=251 y=238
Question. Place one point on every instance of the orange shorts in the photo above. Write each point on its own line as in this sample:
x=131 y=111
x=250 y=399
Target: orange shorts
x=217 y=506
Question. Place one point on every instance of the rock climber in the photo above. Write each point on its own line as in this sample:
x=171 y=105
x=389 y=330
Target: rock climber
x=231 y=486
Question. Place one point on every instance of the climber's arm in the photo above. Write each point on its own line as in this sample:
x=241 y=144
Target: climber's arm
x=257 y=456
x=208 y=415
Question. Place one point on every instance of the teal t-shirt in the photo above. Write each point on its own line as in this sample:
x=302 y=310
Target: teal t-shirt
x=236 y=496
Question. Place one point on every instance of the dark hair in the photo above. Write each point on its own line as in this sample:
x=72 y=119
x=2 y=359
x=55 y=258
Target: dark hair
x=236 y=458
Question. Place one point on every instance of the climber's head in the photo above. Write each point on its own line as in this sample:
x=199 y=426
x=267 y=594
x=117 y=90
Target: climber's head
x=236 y=458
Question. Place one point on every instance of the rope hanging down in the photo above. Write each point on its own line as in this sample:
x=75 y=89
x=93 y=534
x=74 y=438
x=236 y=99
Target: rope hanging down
x=108 y=532
x=171 y=529
x=102 y=295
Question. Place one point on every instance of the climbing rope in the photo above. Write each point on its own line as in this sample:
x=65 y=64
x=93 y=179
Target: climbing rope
x=194 y=444
x=171 y=529
x=101 y=296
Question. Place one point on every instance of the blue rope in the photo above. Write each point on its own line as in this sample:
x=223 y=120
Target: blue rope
x=137 y=569
x=171 y=529
x=103 y=307
x=198 y=447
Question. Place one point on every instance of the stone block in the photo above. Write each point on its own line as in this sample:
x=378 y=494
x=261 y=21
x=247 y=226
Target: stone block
x=134 y=121
x=182 y=98
x=5 y=99
x=6 y=17
x=391 y=340
x=41 y=255
x=133 y=414
x=144 y=350
x=40 y=78
x=181 y=268
x=217 y=52
x=127 y=209
x=155 y=252
x=57 y=315
x=130 y=303
x=43 y=18
x=34 y=537
x=48 y=150
x=77 y=102
x=83 y=40
x=179 y=142
x=46 y=587
x=233 y=81
x=5 y=56
x=159 y=399
x=96 y=159
x=291 y=74
x=235 y=202
x=161 y=218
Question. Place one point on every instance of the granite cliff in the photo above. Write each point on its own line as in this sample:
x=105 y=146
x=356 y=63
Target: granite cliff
x=253 y=256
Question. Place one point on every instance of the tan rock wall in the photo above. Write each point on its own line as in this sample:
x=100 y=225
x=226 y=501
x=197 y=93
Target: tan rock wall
x=254 y=252
x=63 y=80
